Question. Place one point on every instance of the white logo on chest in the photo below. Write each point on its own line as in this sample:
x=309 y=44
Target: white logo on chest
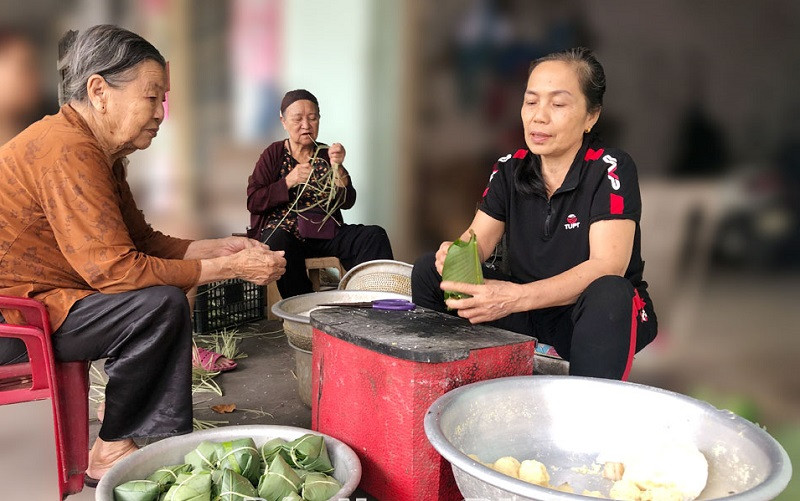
x=572 y=222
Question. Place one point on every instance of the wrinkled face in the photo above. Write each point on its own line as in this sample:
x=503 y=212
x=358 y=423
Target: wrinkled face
x=135 y=110
x=301 y=121
x=554 y=113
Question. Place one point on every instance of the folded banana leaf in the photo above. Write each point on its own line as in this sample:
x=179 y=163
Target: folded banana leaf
x=301 y=472
x=167 y=475
x=292 y=497
x=137 y=490
x=462 y=264
x=320 y=487
x=240 y=456
x=309 y=452
x=279 y=480
x=269 y=450
x=190 y=487
x=203 y=457
x=234 y=487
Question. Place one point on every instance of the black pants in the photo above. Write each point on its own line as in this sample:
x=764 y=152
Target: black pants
x=594 y=334
x=353 y=244
x=146 y=337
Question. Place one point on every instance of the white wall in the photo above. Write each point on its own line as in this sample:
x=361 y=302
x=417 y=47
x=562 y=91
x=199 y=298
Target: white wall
x=327 y=50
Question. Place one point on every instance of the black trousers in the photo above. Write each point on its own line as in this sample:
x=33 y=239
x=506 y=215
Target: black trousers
x=353 y=244
x=595 y=334
x=146 y=337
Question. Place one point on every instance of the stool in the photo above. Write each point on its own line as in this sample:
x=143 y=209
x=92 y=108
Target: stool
x=66 y=384
x=315 y=264
x=375 y=374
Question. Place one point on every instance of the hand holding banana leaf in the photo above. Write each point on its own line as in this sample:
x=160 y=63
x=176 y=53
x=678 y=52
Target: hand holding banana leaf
x=462 y=264
x=489 y=301
x=465 y=289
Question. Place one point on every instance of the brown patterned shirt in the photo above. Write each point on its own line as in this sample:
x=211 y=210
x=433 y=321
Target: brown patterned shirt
x=69 y=226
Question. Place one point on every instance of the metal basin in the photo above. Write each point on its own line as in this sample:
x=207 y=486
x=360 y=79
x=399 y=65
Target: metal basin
x=170 y=451
x=567 y=421
x=295 y=311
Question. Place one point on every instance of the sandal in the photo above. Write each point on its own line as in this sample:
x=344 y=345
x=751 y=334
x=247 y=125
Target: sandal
x=89 y=481
x=208 y=360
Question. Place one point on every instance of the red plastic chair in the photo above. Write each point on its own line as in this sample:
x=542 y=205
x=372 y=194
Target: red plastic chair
x=66 y=384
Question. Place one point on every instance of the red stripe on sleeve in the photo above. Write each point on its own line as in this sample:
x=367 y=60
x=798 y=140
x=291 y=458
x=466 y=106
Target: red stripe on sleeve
x=636 y=306
x=617 y=204
x=593 y=154
x=520 y=154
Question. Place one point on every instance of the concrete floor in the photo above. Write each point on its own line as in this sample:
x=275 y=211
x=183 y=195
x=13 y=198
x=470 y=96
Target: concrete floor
x=264 y=381
x=734 y=334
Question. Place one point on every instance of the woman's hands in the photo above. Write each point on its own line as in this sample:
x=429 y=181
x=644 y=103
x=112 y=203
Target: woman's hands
x=441 y=254
x=237 y=257
x=232 y=245
x=301 y=172
x=491 y=300
x=336 y=153
x=253 y=260
x=298 y=175
x=259 y=265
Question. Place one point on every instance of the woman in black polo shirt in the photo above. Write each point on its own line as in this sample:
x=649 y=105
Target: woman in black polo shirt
x=569 y=206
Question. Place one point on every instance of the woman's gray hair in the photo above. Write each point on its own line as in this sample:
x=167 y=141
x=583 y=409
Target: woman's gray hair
x=105 y=50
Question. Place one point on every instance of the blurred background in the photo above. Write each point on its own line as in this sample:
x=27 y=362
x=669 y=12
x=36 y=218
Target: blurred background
x=426 y=95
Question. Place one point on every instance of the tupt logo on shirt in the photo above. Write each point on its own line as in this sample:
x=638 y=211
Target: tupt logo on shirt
x=612 y=171
x=572 y=222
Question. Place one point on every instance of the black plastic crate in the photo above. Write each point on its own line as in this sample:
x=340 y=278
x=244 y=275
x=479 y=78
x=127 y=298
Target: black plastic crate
x=227 y=303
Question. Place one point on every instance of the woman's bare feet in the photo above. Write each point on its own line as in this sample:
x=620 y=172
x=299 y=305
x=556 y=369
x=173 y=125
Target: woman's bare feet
x=104 y=455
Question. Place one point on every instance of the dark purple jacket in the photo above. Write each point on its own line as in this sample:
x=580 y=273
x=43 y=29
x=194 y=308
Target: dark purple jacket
x=267 y=191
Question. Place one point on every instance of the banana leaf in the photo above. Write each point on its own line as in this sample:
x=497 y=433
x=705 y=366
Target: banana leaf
x=309 y=452
x=278 y=481
x=292 y=497
x=269 y=450
x=204 y=457
x=462 y=264
x=137 y=490
x=191 y=487
x=234 y=487
x=320 y=487
x=301 y=473
x=240 y=456
x=167 y=475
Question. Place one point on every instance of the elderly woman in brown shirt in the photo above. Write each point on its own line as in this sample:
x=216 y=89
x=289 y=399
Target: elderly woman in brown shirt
x=72 y=237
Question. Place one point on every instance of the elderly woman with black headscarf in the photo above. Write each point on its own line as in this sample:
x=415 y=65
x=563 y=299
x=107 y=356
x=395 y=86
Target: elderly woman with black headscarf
x=295 y=207
x=73 y=238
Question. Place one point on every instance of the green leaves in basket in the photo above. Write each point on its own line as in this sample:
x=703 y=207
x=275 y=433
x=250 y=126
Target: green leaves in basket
x=167 y=475
x=203 y=457
x=462 y=264
x=278 y=481
x=309 y=452
x=240 y=456
x=320 y=487
x=137 y=490
x=190 y=487
x=234 y=487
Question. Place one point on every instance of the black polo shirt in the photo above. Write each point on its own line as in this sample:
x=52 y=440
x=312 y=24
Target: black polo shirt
x=547 y=237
